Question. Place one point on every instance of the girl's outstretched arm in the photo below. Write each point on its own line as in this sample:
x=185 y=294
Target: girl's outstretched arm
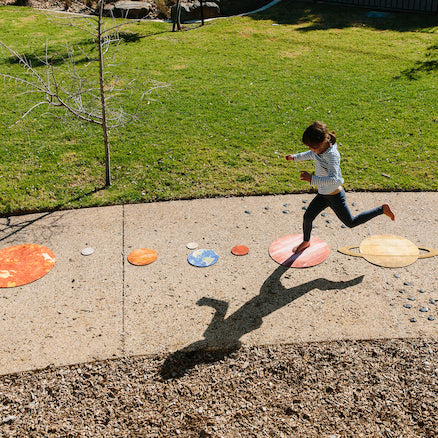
x=303 y=156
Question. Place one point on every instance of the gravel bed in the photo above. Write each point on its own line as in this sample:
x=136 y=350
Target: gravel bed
x=385 y=388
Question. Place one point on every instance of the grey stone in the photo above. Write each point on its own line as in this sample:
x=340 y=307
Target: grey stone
x=192 y=11
x=129 y=9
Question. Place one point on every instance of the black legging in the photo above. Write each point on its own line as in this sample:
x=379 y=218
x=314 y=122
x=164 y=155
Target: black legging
x=338 y=203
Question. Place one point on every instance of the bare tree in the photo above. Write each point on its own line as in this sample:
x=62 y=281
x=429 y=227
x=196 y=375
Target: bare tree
x=85 y=103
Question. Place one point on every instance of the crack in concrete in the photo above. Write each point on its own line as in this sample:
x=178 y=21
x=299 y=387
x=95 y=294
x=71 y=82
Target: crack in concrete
x=122 y=337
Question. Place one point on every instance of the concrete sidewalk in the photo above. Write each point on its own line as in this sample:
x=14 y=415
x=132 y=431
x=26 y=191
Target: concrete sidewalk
x=100 y=306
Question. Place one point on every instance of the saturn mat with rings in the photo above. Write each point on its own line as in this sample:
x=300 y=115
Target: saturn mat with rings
x=389 y=251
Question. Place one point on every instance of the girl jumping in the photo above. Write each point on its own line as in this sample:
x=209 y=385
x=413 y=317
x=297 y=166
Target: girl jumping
x=328 y=178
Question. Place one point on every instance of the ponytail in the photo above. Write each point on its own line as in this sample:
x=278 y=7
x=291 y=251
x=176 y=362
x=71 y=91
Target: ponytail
x=332 y=138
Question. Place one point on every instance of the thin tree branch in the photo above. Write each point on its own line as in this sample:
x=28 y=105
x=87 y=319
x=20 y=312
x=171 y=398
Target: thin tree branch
x=27 y=65
x=28 y=111
x=118 y=26
x=23 y=81
x=81 y=28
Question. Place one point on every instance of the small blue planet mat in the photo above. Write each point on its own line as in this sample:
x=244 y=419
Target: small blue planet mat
x=202 y=258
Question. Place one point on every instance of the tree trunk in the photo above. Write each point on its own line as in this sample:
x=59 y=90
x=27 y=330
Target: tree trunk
x=102 y=99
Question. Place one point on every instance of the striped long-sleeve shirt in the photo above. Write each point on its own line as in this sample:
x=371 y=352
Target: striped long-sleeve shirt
x=327 y=175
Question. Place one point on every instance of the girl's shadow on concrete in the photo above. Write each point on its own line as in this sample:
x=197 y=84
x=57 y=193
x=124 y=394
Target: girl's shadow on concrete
x=222 y=336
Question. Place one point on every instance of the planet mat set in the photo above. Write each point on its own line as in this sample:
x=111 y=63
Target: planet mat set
x=23 y=264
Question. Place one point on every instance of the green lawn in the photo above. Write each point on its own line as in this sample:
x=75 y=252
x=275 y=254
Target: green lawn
x=242 y=90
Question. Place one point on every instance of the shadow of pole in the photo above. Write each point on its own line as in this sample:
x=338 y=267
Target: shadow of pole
x=222 y=336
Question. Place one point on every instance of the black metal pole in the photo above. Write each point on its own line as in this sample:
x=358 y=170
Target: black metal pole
x=202 y=13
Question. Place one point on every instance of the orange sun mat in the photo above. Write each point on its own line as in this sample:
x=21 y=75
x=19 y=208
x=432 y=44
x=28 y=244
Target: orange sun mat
x=22 y=264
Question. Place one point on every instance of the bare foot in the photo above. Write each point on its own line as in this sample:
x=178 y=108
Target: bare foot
x=301 y=247
x=387 y=210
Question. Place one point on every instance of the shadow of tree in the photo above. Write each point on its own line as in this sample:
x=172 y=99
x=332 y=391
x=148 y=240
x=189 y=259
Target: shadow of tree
x=53 y=56
x=427 y=66
x=37 y=60
x=223 y=335
x=130 y=37
x=85 y=51
x=316 y=16
x=134 y=37
x=8 y=229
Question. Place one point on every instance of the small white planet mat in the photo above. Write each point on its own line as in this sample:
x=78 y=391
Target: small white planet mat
x=87 y=251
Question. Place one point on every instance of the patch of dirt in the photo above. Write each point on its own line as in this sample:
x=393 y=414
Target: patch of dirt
x=382 y=388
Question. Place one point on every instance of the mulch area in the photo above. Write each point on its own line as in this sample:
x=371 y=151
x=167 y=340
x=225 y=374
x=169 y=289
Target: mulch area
x=385 y=388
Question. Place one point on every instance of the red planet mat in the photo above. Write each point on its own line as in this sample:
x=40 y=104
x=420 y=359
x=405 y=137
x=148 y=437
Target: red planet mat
x=23 y=264
x=281 y=251
x=240 y=250
x=142 y=257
